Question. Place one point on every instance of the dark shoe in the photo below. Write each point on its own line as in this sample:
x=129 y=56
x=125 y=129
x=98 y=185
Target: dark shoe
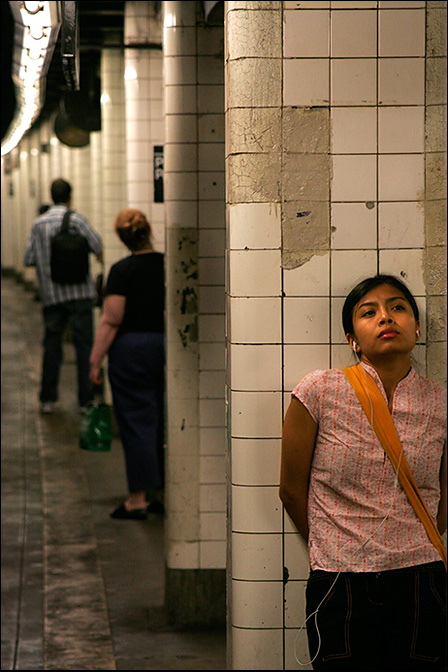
x=121 y=513
x=156 y=506
x=47 y=407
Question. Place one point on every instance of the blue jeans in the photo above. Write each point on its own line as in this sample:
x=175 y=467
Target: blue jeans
x=392 y=620
x=78 y=315
x=136 y=375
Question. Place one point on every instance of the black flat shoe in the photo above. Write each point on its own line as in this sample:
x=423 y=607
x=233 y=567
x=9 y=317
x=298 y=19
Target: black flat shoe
x=121 y=513
x=156 y=506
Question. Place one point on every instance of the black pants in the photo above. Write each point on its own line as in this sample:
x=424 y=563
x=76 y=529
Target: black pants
x=136 y=374
x=78 y=315
x=393 y=620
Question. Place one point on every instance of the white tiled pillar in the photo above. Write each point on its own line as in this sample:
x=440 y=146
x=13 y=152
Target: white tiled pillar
x=114 y=191
x=145 y=129
x=194 y=202
x=331 y=177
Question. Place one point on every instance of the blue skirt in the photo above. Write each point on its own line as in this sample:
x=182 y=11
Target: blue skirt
x=136 y=375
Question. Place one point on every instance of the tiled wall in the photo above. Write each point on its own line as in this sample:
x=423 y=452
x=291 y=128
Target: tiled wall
x=326 y=152
x=145 y=126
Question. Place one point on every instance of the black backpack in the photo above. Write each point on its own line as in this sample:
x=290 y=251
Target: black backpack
x=69 y=259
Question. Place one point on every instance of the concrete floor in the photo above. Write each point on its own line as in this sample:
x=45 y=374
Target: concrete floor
x=80 y=591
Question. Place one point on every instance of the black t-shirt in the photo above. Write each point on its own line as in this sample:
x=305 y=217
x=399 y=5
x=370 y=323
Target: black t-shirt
x=141 y=279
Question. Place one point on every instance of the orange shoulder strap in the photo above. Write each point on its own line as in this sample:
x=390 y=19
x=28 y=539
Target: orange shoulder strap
x=383 y=426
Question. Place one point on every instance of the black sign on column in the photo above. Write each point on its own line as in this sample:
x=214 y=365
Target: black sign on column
x=158 y=173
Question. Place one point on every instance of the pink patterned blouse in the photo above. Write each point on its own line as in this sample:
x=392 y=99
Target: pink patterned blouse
x=359 y=519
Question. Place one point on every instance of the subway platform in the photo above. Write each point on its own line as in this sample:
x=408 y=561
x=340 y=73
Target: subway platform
x=80 y=591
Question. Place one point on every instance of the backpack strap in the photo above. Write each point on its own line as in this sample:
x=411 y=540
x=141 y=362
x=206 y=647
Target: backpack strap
x=65 y=222
x=368 y=393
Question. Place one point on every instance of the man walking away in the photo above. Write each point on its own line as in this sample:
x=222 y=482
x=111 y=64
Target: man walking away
x=63 y=303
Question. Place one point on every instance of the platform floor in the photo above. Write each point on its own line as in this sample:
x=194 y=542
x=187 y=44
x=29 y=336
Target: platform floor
x=80 y=591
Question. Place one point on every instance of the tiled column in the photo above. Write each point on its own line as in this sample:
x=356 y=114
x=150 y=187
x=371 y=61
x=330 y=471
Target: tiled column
x=254 y=335
x=145 y=129
x=82 y=180
x=194 y=201
x=336 y=171
x=8 y=247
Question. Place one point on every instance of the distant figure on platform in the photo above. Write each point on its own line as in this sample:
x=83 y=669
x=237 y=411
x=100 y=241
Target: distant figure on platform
x=131 y=331
x=63 y=303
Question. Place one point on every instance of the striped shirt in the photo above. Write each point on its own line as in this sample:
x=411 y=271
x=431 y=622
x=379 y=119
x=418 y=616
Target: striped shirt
x=37 y=253
x=352 y=493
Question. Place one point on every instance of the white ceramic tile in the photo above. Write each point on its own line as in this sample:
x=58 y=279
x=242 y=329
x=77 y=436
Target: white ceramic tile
x=179 y=40
x=212 y=526
x=342 y=356
x=181 y=99
x=306 y=82
x=257 y=557
x=256 y=509
x=267 y=643
x=302 y=359
x=401 y=81
x=212 y=328
x=401 y=225
x=180 y=213
x=296 y=649
x=212 y=214
x=306 y=320
x=212 y=412
x=353 y=226
x=337 y=330
x=213 y=498
x=354 y=177
x=353 y=81
x=182 y=554
x=254 y=226
x=254 y=320
x=211 y=128
x=181 y=128
x=180 y=187
x=353 y=34
x=255 y=367
x=350 y=267
x=212 y=440
x=257 y=603
x=309 y=4
x=212 y=469
x=401 y=177
x=310 y=279
x=401 y=129
x=353 y=4
x=256 y=414
x=212 y=554
x=402 y=32
x=211 y=271
x=180 y=157
x=210 y=98
x=212 y=185
x=211 y=384
x=256 y=461
x=295 y=615
x=255 y=273
x=306 y=34
x=296 y=555
x=211 y=243
x=353 y=130
x=211 y=356
x=211 y=156
x=406 y=265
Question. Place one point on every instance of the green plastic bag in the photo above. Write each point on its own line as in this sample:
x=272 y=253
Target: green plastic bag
x=96 y=427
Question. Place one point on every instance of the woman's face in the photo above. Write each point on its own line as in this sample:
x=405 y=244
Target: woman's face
x=384 y=323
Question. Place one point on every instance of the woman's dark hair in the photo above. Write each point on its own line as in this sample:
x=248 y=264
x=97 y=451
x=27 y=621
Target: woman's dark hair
x=363 y=288
x=133 y=229
x=60 y=191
